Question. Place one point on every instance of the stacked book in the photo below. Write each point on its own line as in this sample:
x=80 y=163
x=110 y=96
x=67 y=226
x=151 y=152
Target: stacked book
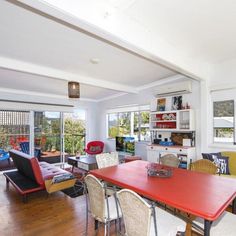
x=62 y=177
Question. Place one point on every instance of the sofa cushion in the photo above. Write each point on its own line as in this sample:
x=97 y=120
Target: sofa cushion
x=49 y=171
x=222 y=163
x=209 y=156
x=232 y=161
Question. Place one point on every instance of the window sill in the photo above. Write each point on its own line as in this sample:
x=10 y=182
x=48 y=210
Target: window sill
x=222 y=145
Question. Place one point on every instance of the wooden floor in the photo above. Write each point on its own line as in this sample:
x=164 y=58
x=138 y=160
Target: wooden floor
x=57 y=214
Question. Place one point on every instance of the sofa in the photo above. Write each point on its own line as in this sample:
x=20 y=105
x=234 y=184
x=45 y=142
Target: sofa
x=232 y=162
x=31 y=174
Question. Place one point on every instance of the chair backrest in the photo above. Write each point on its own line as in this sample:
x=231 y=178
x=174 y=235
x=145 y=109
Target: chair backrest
x=24 y=146
x=94 y=147
x=170 y=160
x=96 y=195
x=204 y=166
x=136 y=213
x=107 y=159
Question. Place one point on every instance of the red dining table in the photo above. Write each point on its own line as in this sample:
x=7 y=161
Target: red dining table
x=203 y=195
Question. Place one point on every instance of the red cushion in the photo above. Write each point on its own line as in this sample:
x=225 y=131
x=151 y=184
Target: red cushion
x=37 y=171
x=49 y=171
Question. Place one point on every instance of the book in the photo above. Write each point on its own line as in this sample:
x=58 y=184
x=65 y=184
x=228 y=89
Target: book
x=62 y=177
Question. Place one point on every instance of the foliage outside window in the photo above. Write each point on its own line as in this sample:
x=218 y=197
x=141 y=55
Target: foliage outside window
x=223 y=128
x=135 y=124
x=74 y=133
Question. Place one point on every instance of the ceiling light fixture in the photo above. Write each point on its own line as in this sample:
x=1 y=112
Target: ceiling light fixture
x=73 y=89
x=94 y=60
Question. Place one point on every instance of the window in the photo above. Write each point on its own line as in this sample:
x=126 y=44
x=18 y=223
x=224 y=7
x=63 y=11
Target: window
x=223 y=128
x=130 y=123
x=74 y=132
x=14 y=128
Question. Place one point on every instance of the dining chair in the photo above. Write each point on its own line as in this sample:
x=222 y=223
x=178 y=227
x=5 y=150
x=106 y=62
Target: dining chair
x=224 y=225
x=142 y=219
x=204 y=166
x=170 y=160
x=107 y=159
x=103 y=208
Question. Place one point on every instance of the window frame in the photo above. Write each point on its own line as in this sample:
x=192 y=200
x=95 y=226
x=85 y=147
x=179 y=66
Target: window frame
x=132 y=114
x=213 y=124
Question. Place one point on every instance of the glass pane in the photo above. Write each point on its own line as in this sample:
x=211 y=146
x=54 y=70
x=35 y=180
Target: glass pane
x=124 y=124
x=144 y=126
x=223 y=121
x=136 y=126
x=74 y=132
x=14 y=130
x=47 y=134
x=112 y=125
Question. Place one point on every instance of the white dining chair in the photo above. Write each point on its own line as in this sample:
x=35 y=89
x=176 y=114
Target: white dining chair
x=107 y=159
x=103 y=208
x=143 y=219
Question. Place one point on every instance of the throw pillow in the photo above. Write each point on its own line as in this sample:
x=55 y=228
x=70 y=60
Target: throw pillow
x=94 y=148
x=209 y=156
x=222 y=163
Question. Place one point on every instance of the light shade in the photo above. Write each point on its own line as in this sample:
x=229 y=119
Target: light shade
x=73 y=89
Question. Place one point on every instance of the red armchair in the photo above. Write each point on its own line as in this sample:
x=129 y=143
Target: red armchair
x=94 y=147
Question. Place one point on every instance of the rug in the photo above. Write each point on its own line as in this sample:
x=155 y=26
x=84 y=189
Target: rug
x=75 y=191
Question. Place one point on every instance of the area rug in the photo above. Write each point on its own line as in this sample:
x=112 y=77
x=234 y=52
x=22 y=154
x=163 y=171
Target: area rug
x=75 y=191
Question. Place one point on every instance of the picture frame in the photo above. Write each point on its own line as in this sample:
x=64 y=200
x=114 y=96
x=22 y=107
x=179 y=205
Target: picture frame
x=177 y=103
x=161 y=104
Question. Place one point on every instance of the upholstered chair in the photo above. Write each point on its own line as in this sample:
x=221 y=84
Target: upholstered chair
x=107 y=159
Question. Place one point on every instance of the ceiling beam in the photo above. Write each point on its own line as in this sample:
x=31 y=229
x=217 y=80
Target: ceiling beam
x=34 y=69
x=113 y=26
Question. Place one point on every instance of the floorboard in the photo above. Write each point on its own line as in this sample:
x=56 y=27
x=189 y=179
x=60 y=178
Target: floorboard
x=43 y=215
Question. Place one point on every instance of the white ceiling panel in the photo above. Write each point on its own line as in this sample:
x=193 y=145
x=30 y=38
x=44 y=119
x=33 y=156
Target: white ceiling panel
x=33 y=38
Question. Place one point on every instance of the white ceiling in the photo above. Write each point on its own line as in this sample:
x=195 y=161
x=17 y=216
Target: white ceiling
x=13 y=81
x=29 y=37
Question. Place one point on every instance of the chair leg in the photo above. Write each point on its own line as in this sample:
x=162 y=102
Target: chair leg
x=108 y=227
x=96 y=225
x=86 y=230
x=7 y=184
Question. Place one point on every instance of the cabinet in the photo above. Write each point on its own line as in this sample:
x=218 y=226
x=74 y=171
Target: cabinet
x=185 y=154
x=181 y=120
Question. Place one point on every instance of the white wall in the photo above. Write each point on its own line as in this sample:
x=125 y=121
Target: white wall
x=221 y=86
x=223 y=75
x=144 y=97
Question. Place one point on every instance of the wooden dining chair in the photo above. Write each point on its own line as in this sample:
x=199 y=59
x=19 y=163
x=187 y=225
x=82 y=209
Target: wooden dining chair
x=170 y=160
x=142 y=219
x=204 y=166
x=103 y=208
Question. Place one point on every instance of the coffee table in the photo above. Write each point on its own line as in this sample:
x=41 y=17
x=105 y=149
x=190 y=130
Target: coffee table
x=86 y=163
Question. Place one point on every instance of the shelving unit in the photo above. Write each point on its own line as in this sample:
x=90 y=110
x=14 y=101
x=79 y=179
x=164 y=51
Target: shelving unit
x=181 y=120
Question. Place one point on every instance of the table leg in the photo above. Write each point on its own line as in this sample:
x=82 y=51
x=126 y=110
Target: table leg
x=234 y=206
x=207 y=227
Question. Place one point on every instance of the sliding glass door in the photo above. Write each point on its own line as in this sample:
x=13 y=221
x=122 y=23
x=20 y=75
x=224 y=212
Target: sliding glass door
x=47 y=136
x=74 y=132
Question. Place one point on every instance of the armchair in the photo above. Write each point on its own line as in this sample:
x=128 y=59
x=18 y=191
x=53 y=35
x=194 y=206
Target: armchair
x=94 y=147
